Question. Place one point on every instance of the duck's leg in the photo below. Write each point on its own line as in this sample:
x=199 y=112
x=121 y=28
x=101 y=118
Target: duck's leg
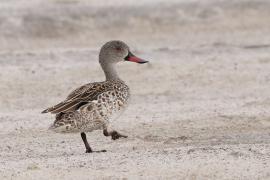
x=114 y=134
x=88 y=148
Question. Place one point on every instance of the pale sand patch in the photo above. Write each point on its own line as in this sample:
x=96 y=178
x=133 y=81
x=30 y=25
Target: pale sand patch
x=200 y=109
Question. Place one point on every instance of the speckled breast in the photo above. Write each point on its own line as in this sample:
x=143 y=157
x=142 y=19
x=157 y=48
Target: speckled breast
x=108 y=106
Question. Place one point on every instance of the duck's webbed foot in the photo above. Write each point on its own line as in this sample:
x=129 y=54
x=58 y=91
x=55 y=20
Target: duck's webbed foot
x=114 y=134
x=98 y=151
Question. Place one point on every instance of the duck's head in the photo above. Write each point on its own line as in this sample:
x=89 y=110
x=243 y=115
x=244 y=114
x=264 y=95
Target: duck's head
x=116 y=51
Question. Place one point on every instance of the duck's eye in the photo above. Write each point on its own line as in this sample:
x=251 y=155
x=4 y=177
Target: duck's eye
x=118 y=49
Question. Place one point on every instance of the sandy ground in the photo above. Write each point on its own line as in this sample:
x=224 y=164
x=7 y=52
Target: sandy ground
x=200 y=108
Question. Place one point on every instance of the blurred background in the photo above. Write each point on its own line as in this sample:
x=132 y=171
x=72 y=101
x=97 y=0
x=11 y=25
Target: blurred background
x=199 y=109
x=50 y=24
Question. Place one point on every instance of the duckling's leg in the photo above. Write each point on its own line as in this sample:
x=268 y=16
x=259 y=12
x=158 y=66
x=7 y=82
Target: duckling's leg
x=114 y=134
x=88 y=148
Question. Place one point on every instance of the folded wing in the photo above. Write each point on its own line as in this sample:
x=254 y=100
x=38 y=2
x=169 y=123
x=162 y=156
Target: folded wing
x=79 y=97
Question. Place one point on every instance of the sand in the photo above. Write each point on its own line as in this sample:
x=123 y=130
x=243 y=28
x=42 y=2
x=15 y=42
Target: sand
x=199 y=110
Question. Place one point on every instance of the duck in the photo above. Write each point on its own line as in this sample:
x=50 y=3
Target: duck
x=94 y=106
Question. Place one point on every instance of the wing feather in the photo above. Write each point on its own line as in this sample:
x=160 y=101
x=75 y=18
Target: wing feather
x=79 y=97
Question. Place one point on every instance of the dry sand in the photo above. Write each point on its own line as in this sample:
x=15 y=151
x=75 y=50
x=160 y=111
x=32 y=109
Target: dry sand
x=200 y=109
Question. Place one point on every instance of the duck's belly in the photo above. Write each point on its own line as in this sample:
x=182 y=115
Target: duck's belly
x=99 y=114
x=92 y=116
x=79 y=122
x=103 y=115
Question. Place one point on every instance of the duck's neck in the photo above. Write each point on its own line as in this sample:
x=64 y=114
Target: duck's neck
x=109 y=71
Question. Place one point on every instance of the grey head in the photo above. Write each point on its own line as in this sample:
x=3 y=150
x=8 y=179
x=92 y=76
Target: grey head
x=113 y=52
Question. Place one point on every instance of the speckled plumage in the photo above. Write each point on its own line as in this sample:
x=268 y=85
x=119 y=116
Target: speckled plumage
x=92 y=106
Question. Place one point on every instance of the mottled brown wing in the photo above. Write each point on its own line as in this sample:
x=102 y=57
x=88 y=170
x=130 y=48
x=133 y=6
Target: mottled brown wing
x=79 y=97
x=80 y=90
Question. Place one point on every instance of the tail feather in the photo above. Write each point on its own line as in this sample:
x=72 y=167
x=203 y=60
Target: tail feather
x=54 y=107
x=63 y=107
